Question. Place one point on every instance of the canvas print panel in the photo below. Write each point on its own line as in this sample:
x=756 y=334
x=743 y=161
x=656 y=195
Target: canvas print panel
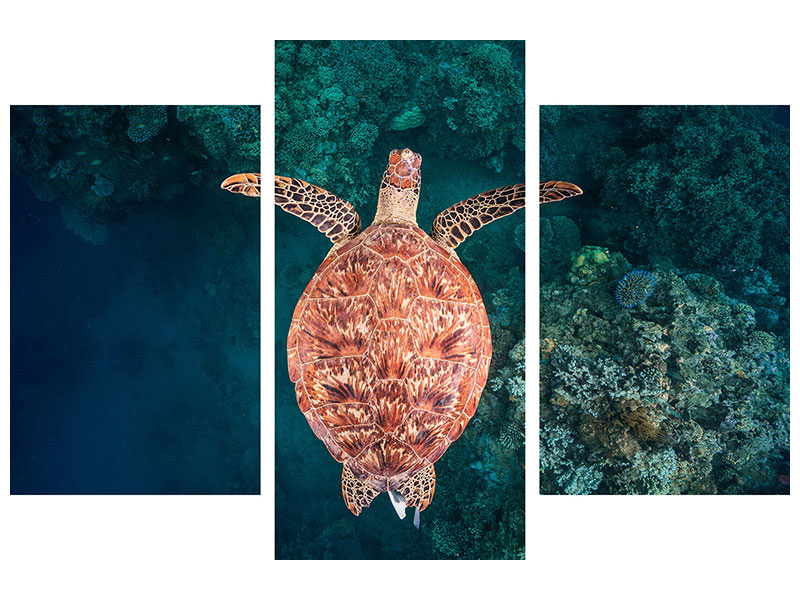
x=664 y=271
x=134 y=301
x=388 y=369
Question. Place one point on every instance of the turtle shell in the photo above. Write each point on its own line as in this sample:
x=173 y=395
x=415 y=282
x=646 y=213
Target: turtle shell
x=389 y=351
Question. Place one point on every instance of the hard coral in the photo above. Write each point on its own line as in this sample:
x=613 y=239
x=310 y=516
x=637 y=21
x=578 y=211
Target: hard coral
x=634 y=288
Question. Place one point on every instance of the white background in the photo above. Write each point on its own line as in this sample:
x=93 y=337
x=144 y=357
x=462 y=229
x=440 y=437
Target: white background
x=204 y=52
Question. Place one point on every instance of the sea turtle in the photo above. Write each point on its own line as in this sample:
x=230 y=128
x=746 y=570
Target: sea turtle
x=553 y=191
x=389 y=345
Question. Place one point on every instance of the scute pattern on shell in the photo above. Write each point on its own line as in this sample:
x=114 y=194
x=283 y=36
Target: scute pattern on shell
x=389 y=349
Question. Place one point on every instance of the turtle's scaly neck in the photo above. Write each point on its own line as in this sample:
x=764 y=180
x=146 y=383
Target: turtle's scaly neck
x=397 y=206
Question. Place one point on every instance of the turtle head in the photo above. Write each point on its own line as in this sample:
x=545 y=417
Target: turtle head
x=402 y=172
x=399 y=193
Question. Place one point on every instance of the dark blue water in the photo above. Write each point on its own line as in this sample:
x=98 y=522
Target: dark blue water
x=135 y=364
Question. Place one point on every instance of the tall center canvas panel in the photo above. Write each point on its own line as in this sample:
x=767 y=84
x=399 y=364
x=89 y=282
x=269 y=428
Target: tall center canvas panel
x=399 y=345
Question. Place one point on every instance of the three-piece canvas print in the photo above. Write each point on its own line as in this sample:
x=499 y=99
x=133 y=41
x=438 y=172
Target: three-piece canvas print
x=400 y=290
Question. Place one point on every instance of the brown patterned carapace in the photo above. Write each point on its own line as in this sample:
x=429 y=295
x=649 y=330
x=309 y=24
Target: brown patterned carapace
x=389 y=350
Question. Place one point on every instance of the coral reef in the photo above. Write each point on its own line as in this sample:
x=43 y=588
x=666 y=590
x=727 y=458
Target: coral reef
x=706 y=186
x=482 y=89
x=231 y=132
x=683 y=395
x=340 y=104
x=103 y=162
x=145 y=121
x=688 y=392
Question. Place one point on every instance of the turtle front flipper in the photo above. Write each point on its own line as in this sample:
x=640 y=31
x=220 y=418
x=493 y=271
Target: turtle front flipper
x=248 y=184
x=333 y=216
x=553 y=191
x=455 y=224
x=357 y=494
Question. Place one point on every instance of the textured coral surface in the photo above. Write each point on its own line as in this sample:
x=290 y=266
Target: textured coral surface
x=339 y=103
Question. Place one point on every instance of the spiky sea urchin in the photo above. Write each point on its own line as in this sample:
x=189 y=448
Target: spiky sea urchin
x=634 y=288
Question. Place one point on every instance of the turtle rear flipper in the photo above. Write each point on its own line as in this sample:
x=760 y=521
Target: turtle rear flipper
x=357 y=494
x=553 y=191
x=455 y=224
x=418 y=489
x=333 y=216
x=248 y=184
